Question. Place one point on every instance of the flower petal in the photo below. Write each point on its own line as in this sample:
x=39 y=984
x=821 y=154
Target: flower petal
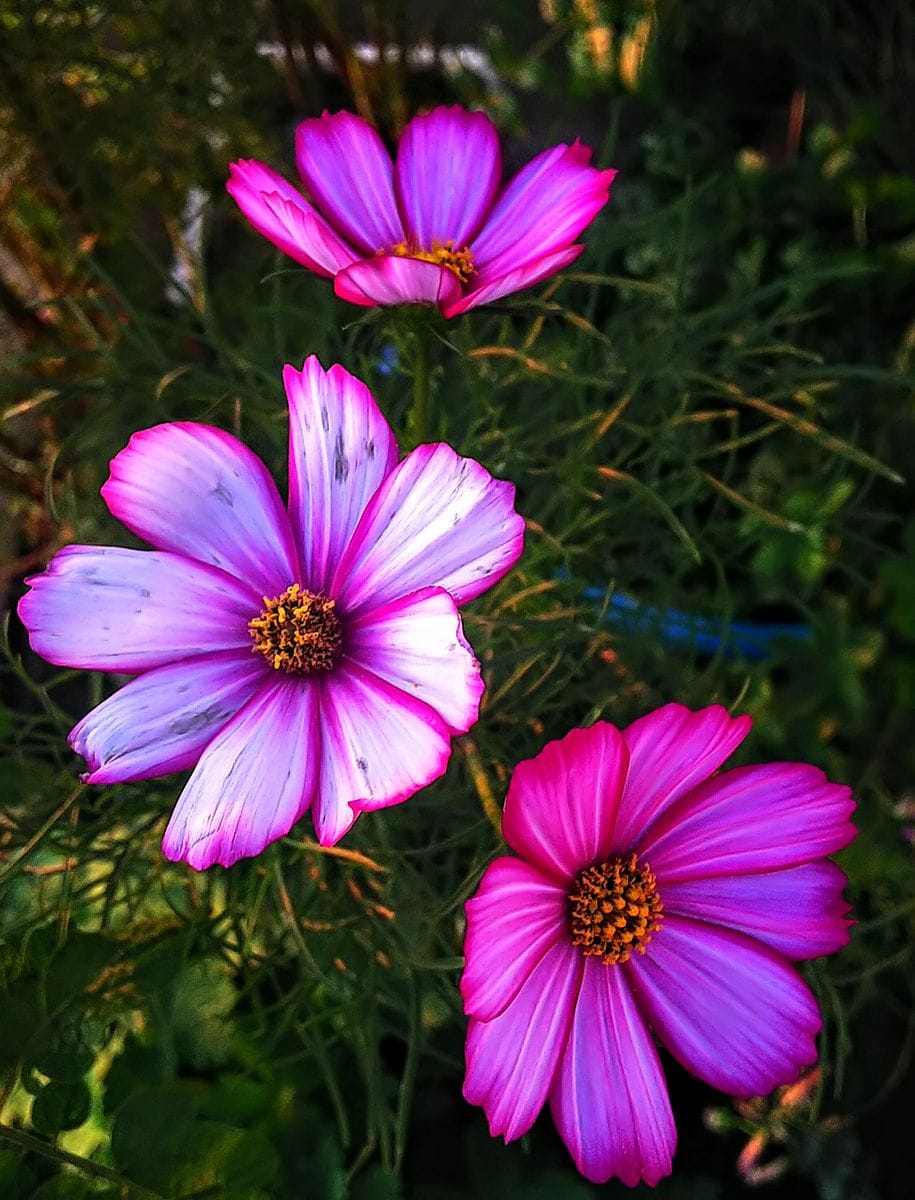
x=438 y=520
x=751 y=819
x=729 y=1009
x=340 y=450
x=514 y=281
x=670 y=751
x=447 y=174
x=349 y=175
x=282 y=214
x=417 y=644
x=104 y=608
x=163 y=721
x=253 y=781
x=561 y=806
x=388 y=279
x=543 y=209
x=511 y=1060
x=515 y=917
x=199 y=491
x=800 y=911
x=379 y=747
x=609 y=1099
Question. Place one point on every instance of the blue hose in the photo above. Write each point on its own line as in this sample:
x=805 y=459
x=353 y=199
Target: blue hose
x=751 y=639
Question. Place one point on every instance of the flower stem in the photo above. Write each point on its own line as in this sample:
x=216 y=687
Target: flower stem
x=419 y=416
x=481 y=783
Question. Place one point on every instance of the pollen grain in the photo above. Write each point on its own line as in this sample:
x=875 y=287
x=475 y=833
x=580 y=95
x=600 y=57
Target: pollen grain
x=298 y=631
x=614 y=909
x=459 y=262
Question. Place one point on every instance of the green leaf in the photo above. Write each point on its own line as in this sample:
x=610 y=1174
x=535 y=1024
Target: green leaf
x=159 y=1141
x=60 y=1106
x=376 y=1184
x=313 y=1163
x=16 y=1176
x=62 y=1051
x=21 y=1015
x=137 y=1066
x=200 y=1016
x=76 y=965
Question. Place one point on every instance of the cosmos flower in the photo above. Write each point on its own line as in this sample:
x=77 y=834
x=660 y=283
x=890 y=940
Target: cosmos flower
x=309 y=658
x=434 y=227
x=649 y=895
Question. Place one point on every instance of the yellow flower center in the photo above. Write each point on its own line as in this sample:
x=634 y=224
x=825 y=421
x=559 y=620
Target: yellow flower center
x=442 y=253
x=615 y=908
x=298 y=631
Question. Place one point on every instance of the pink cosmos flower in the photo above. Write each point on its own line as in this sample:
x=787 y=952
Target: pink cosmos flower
x=434 y=227
x=309 y=658
x=650 y=895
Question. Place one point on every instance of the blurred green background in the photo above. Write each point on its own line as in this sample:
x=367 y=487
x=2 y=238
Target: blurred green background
x=710 y=415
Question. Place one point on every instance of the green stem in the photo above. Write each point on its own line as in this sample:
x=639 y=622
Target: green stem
x=25 y=1141
x=419 y=417
x=41 y=833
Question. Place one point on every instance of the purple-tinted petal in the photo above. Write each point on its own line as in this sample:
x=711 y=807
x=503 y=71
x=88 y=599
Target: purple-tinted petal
x=349 y=175
x=253 y=781
x=609 y=1099
x=514 y=280
x=670 y=751
x=388 y=279
x=799 y=911
x=543 y=209
x=163 y=721
x=751 y=819
x=448 y=170
x=511 y=1060
x=379 y=747
x=513 y=920
x=282 y=214
x=418 y=645
x=200 y=492
x=729 y=1009
x=340 y=450
x=438 y=520
x=561 y=806
x=109 y=609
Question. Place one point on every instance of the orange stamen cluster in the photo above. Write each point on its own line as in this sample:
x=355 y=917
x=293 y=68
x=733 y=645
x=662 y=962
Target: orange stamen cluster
x=615 y=908
x=442 y=253
x=298 y=631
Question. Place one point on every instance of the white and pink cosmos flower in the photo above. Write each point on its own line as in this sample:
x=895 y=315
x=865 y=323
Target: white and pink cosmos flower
x=302 y=658
x=650 y=896
x=436 y=226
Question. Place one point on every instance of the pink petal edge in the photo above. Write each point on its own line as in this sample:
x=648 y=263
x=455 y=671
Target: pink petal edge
x=341 y=449
x=447 y=174
x=198 y=491
x=609 y=1099
x=512 y=1060
x=163 y=721
x=349 y=175
x=561 y=807
x=417 y=644
x=281 y=214
x=380 y=746
x=389 y=279
x=731 y=1010
x=516 y=916
x=255 y=779
x=438 y=520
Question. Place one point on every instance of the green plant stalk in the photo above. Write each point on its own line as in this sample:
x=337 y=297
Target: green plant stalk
x=419 y=415
x=25 y=1141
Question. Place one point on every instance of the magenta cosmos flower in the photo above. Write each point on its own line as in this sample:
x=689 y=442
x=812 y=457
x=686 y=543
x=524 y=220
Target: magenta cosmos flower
x=650 y=895
x=304 y=659
x=434 y=227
